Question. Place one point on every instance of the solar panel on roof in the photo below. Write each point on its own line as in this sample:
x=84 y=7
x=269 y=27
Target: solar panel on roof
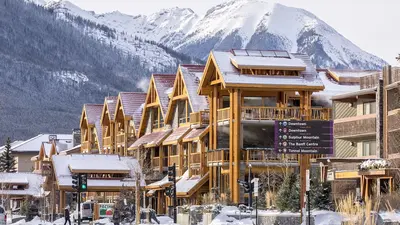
x=268 y=53
x=282 y=54
x=240 y=52
x=254 y=53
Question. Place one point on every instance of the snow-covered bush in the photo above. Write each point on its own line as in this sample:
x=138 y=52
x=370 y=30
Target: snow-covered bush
x=374 y=164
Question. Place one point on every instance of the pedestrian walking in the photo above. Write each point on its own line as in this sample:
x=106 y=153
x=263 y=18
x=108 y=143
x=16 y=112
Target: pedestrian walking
x=116 y=217
x=66 y=215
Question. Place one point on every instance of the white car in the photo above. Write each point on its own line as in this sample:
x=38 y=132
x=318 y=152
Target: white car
x=86 y=212
x=3 y=216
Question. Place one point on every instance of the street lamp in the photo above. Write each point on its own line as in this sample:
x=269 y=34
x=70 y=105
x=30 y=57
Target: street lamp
x=250 y=188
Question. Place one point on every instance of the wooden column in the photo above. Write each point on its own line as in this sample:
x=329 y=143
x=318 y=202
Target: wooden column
x=126 y=130
x=112 y=138
x=235 y=143
x=305 y=106
x=231 y=143
x=189 y=152
x=215 y=119
x=62 y=201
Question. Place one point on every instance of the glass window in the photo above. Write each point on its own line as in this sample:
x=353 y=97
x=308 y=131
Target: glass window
x=369 y=148
x=225 y=101
x=253 y=101
x=195 y=148
x=369 y=108
x=174 y=150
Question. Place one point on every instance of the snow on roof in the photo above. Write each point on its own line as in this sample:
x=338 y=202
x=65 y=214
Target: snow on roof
x=76 y=149
x=62 y=164
x=354 y=93
x=176 y=135
x=231 y=75
x=132 y=104
x=195 y=133
x=34 y=144
x=159 y=184
x=333 y=88
x=33 y=181
x=191 y=76
x=186 y=184
x=352 y=73
x=163 y=82
x=151 y=140
x=111 y=102
x=267 y=62
x=93 y=112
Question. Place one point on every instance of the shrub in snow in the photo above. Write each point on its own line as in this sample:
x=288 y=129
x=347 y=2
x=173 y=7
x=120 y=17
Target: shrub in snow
x=320 y=195
x=374 y=164
x=288 y=198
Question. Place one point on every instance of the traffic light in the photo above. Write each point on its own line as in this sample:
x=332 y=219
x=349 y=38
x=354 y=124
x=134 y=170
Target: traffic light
x=83 y=183
x=171 y=173
x=168 y=191
x=74 y=197
x=75 y=182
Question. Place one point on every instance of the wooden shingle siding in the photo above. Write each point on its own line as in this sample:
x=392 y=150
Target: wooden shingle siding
x=343 y=110
x=344 y=149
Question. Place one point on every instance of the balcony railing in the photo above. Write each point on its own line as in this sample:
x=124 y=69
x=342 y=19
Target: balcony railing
x=275 y=113
x=394 y=120
x=106 y=141
x=195 y=158
x=200 y=118
x=120 y=138
x=260 y=155
x=218 y=156
x=369 y=81
x=223 y=114
x=354 y=127
x=174 y=159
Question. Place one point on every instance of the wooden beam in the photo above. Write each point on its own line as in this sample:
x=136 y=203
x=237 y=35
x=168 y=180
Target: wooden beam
x=180 y=97
x=214 y=82
x=154 y=104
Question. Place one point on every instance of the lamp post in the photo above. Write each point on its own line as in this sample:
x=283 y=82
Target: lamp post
x=250 y=189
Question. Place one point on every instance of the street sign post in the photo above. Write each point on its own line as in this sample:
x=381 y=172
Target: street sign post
x=254 y=181
x=304 y=137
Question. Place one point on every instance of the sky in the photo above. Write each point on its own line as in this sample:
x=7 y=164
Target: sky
x=370 y=24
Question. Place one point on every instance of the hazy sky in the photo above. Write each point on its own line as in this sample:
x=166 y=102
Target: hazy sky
x=370 y=24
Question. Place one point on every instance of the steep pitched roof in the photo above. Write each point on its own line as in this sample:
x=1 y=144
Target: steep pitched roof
x=110 y=102
x=192 y=75
x=163 y=84
x=132 y=105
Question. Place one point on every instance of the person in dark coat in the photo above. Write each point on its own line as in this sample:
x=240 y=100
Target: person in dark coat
x=66 y=216
x=116 y=216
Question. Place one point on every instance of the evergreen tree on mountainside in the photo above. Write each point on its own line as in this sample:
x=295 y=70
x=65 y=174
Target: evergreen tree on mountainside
x=7 y=160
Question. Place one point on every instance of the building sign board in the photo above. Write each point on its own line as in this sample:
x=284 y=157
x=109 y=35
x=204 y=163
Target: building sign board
x=304 y=137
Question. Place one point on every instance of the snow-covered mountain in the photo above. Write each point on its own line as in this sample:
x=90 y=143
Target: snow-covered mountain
x=252 y=24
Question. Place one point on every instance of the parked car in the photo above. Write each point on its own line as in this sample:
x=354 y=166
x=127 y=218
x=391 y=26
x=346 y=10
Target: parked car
x=86 y=212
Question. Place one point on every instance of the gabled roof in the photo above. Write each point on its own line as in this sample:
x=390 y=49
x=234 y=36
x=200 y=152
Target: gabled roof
x=34 y=144
x=163 y=83
x=191 y=75
x=132 y=104
x=109 y=107
x=150 y=140
x=93 y=113
x=231 y=76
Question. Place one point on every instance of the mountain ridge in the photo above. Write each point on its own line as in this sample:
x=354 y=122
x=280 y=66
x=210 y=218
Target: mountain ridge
x=251 y=24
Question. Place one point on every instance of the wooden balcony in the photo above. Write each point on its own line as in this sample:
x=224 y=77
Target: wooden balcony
x=201 y=118
x=223 y=114
x=195 y=158
x=120 y=138
x=107 y=142
x=269 y=156
x=369 y=81
x=275 y=113
x=174 y=159
x=218 y=156
x=354 y=128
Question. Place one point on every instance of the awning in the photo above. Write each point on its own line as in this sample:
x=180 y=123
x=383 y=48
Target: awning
x=176 y=136
x=150 y=140
x=195 y=134
x=150 y=193
x=186 y=186
x=161 y=184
